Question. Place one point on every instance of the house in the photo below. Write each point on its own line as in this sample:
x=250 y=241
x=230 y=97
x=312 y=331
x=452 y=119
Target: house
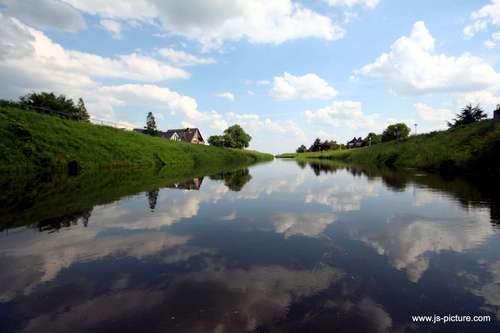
x=355 y=143
x=192 y=135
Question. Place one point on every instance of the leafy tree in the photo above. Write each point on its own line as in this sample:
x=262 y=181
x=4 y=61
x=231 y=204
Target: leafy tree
x=236 y=137
x=301 y=149
x=60 y=106
x=82 y=113
x=468 y=115
x=372 y=138
x=395 y=132
x=216 y=140
x=150 y=127
x=329 y=145
x=316 y=146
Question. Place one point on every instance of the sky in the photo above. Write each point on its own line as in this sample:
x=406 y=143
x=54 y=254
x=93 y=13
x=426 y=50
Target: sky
x=286 y=71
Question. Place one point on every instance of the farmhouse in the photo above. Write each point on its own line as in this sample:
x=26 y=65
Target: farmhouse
x=192 y=135
x=355 y=143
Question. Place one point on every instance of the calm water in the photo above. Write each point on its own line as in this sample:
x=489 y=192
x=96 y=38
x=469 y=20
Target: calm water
x=278 y=247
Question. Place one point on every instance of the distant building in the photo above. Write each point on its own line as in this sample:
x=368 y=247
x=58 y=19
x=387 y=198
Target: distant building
x=496 y=115
x=355 y=143
x=191 y=135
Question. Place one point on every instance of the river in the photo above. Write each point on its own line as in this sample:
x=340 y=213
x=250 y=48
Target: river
x=277 y=247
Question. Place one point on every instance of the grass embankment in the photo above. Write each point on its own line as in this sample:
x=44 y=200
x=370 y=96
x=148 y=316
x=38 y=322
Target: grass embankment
x=473 y=148
x=31 y=142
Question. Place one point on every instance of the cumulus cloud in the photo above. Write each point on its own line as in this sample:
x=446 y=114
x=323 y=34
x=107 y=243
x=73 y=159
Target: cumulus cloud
x=226 y=95
x=409 y=241
x=351 y=3
x=428 y=113
x=212 y=24
x=412 y=66
x=45 y=14
x=311 y=225
x=181 y=58
x=113 y=27
x=42 y=53
x=486 y=99
x=488 y=15
x=308 y=86
x=343 y=114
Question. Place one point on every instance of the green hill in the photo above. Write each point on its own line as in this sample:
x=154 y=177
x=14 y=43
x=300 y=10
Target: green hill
x=473 y=148
x=30 y=142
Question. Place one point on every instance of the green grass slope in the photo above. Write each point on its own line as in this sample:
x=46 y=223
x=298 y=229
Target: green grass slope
x=473 y=148
x=30 y=141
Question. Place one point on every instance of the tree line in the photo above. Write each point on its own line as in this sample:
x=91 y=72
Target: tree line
x=51 y=104
x=468 y=115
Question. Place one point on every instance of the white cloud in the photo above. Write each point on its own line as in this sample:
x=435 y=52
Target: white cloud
x=413 y=67
x=428 y=113
x=343 y=114
x=113 y=27
x=146 y=94
x=263 y=82
x=45 y=14
x=141 y=10
x=227 y=95
x=308 y=86
x=488 y=15
x=352 y=3
x=42 y=54
x=214 y=23
x=181 y=58
x=486 y=99
x=409 y=241
x=310 y=225
x=489 y=44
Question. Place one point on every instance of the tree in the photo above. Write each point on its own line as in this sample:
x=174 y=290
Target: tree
x=60 y=106
x=150 y=127
x=316 y=146
x=468 y=115
x=329 y=145
x=395 y=132
x=372 y=138
x=301 y=149
x=236 y=137
x=82 y=113
x=216 y=140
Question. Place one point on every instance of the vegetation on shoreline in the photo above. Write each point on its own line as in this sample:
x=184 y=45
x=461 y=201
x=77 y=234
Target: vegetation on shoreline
x=30 y=141
x=472 y=148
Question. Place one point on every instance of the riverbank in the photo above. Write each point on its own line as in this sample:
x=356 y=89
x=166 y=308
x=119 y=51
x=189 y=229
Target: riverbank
x=469 y=149
x=32 y=142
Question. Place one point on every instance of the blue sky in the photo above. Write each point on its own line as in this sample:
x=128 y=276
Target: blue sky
x=287 y=71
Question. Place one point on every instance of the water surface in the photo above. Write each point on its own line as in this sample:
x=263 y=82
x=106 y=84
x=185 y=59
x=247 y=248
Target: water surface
x=278 y=247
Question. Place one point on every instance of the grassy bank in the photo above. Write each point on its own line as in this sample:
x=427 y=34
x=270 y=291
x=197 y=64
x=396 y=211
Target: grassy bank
x=473 y=148
x=31 y=142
